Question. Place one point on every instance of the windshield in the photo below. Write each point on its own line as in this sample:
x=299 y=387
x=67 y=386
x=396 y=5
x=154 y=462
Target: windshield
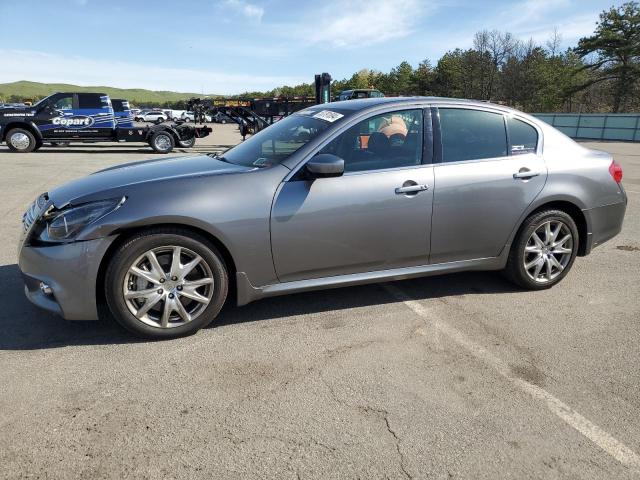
x=42 y=102
x=277 y=142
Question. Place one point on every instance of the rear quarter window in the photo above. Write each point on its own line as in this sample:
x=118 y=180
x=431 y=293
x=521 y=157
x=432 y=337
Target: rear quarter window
x=522 y=137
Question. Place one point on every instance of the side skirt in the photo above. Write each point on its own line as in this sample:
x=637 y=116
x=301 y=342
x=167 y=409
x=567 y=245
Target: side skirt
x=248 y=293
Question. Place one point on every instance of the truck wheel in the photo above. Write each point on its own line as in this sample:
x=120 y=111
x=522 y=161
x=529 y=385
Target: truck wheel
x=21 y=141
x=162 y=142
x=187 y=143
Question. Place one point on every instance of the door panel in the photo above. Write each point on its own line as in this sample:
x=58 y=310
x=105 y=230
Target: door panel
x=351 y=224
x=48 y=116
x=477 y=205
x=98 y=109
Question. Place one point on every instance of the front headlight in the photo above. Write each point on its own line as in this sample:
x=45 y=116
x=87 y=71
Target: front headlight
x=67 y=224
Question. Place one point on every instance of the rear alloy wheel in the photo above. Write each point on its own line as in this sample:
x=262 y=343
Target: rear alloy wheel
x=165 y=285
x=162 y=142
x=544 y=251
x=21 y=141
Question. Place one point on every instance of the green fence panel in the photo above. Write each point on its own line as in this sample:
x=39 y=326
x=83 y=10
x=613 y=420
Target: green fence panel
x=595 y=126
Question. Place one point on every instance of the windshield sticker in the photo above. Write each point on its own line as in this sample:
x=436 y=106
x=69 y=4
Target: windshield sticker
x=328 y=116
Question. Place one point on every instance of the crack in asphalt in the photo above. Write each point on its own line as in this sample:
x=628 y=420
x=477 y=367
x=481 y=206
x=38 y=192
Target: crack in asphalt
x=379 y=412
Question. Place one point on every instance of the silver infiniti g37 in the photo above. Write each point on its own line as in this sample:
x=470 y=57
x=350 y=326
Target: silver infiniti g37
x=334 y=195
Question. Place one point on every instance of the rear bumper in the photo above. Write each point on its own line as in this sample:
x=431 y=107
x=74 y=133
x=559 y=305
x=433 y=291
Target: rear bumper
x=603 y=223
x=71 y=270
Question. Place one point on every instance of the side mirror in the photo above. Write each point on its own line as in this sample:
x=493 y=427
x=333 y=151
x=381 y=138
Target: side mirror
x=325 y=165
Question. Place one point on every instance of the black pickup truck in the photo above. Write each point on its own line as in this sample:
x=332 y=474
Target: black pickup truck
x=84 y=117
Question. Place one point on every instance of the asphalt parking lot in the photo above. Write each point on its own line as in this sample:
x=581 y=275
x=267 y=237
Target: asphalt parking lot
x=460 y=376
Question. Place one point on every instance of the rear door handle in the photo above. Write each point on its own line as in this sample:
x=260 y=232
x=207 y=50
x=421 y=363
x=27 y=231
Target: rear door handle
x=525 y=173
x=411 y=189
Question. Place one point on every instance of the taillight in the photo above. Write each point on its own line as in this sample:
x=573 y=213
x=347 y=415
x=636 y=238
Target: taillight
x=616 y=171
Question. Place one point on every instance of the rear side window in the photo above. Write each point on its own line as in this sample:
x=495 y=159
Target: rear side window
x=522 y=137
x=89 y=101
x=472 y=134
x=118 y=105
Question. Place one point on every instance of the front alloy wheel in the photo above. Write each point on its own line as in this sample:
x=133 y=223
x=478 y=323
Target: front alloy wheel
x=167 y=287
x=165 y=283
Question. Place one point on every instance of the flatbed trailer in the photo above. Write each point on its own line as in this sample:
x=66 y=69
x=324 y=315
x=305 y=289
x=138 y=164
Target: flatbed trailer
x=63 y=118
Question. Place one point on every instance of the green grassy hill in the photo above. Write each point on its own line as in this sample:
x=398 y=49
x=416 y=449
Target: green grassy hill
x=24 y=90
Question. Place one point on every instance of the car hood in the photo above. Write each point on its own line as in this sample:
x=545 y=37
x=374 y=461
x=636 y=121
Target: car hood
x=131 y=174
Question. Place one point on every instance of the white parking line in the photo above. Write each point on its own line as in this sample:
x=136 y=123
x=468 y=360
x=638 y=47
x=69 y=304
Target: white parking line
x=602 y=439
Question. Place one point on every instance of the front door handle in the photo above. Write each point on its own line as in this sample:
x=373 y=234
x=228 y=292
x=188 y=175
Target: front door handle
x=525 y=173
x=411 y=189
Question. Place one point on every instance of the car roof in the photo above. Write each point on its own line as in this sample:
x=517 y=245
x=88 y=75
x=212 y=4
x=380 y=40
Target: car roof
x=350 y=107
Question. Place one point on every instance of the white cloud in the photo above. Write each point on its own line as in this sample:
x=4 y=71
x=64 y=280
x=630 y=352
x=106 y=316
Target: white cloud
x=537 y=18
x=529 y=11
x=571 y=29
x=53 y=68
x=249 y=10
x=359 y=23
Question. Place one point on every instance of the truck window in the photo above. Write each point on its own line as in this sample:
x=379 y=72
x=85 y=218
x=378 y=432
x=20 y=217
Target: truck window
x=64 y=103
x=89 y=101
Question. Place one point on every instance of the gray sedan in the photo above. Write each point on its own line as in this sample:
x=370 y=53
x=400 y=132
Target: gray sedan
x=338 y=194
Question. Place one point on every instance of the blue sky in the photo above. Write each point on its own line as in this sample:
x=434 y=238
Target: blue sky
x=230 y=46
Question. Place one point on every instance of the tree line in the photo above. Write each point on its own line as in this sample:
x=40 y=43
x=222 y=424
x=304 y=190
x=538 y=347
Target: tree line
x=600 y=74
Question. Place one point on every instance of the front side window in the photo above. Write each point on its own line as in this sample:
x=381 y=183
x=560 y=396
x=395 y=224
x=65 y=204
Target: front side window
x=522 y=137
x=389 y=140
x=472 y=134
x=277 y=142
x=64 y=103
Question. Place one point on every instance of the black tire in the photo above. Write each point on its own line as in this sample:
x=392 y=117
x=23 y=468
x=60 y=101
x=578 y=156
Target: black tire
x=159 y=120
x=29 y=147
x=136 y=246
x=187 y=143
x=515 y=269
x=187 y=119
x=137 y=119
x=159 y=142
